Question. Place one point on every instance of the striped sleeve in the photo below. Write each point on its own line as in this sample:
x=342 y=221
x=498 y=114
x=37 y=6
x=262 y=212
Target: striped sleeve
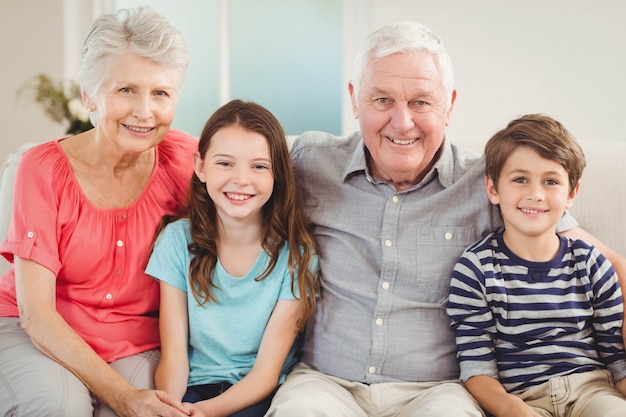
x=470 y=313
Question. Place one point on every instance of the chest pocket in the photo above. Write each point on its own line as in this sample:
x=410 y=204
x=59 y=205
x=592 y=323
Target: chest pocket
x=438 y=250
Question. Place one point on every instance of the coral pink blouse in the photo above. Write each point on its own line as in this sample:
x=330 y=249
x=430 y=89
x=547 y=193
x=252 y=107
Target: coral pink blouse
x=98 y=255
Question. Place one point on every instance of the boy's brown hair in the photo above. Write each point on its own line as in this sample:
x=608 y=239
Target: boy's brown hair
x=544 y=135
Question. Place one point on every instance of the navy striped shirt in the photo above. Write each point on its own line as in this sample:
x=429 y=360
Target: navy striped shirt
x=524 y=322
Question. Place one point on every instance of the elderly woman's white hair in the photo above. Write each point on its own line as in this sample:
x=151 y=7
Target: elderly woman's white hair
x=403 y=37
x=141 y=31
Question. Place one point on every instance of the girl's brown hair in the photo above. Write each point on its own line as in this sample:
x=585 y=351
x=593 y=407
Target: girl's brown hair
x=283 y=217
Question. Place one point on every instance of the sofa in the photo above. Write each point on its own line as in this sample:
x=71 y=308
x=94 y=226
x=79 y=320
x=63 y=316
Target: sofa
x=598 y=206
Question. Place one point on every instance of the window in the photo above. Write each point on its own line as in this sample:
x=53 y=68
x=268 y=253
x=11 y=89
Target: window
x=284 y=55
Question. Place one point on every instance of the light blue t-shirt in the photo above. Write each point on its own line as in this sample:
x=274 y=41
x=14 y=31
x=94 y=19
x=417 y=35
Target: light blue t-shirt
x=224 y=337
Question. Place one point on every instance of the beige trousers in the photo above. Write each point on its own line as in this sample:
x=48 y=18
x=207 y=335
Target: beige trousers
x=587 y=394
x=308 y=393
x=32 y=384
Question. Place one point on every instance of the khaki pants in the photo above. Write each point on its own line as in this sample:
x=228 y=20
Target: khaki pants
x=308 y=393
x=33 y=384
x=587 y=394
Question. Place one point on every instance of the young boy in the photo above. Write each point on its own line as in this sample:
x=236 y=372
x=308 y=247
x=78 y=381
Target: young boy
x=537 y=316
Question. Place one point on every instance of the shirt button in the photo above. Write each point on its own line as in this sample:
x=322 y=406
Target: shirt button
x=385 y=285
x=371 y=369
x=120 y=243
x=394 y=198
x=118 y=271
x=122 y=216
x=30 y=235
x=388 y=243
x=109 y=296
x=448 y=236
x=379 y=322
x=536 y=276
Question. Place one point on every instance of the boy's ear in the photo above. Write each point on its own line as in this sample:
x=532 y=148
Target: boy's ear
x=572 y=195
x=492 y=191
x=198 y=166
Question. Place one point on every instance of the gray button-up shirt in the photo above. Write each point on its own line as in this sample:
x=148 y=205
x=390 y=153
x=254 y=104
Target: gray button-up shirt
x=386 y=259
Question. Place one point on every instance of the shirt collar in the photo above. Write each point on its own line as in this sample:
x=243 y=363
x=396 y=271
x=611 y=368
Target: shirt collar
x=443 y=168
x=358 y=162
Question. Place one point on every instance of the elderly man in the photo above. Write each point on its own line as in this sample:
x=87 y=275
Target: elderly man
x=393 y=205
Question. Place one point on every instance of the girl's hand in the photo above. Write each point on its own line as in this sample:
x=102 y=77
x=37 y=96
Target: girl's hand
x=194 y=411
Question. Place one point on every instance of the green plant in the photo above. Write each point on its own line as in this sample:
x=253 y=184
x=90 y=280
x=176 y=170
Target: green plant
x=60 y=101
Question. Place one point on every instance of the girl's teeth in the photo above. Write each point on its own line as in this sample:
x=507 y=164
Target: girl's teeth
x=239 y=197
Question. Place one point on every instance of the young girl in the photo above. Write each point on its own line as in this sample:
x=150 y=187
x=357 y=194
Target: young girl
x=238 y=272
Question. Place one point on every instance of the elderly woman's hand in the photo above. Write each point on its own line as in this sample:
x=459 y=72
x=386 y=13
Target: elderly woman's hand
x=151 y=403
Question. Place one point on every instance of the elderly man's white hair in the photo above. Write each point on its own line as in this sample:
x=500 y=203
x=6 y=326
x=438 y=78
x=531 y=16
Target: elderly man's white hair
x=404 y=37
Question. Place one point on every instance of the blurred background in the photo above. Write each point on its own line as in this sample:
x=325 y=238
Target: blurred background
x=566 y=58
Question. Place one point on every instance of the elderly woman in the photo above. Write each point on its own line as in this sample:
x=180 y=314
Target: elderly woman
x=78 y=316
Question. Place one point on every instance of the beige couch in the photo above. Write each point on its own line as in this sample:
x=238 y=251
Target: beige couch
x=599 y=207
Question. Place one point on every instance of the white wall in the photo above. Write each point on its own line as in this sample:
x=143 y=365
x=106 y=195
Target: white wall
x=36 y=36
x=566 y=58
x=30 y=41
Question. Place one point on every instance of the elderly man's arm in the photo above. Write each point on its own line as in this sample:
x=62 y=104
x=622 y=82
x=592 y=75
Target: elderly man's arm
x=618 y=261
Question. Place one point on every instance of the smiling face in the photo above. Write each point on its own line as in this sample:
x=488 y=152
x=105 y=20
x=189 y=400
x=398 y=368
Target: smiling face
x=402 y=111
x=533 y=192
x=237 y=171
x=136 y=104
